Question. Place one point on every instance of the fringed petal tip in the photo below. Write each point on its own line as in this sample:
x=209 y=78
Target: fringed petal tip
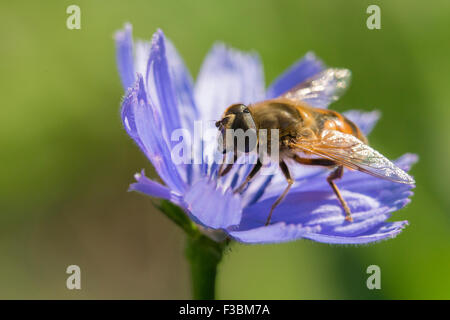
x=157 y=39
x=121 y=34
x=135 y=95
x=228 y=76
x=282 y=232
x=233 y=54
x=406 y=161
x=124 y=55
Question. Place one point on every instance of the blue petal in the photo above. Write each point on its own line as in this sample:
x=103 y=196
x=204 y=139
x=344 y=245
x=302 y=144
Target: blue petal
x=282 y=232
x=160 y=87
x=149 y=187
x=141 y=56
x=124 y=56
x=383 y=231
x=303 y=69
x=256 y=189
x=227 y=76
x=143 y=124
x=183 y=87
x=406 y=161
x=213 y=207
x=304 y=176
x=170 y=90
x=366 y=121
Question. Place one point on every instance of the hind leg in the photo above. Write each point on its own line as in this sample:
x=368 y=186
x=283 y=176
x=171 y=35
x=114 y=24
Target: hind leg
x=337 y=174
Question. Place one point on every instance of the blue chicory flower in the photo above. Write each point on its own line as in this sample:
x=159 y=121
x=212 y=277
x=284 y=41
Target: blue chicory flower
x=161 y=96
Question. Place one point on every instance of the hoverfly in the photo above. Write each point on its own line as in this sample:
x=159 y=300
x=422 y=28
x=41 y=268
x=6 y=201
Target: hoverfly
x=311 y=135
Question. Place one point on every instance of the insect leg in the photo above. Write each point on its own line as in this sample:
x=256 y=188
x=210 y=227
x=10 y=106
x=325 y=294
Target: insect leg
x=290 y=181
x=337 y=174
x=250 y=176
x=227 y=169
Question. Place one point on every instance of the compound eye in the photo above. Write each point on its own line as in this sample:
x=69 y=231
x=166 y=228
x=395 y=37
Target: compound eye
x=225 y=120
x=246 y=110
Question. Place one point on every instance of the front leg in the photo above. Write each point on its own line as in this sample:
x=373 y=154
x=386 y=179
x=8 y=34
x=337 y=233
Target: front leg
x=223 y=171
x=250 y=176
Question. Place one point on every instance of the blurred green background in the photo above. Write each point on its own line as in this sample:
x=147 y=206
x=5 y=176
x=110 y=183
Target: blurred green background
x=66 y=162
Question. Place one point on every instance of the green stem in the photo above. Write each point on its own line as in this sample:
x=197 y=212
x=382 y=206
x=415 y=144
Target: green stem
x=203 y=253
x=204 y=256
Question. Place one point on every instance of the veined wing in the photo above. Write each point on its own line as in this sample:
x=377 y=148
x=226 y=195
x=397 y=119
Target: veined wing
x=349 y=151
x=322 y=89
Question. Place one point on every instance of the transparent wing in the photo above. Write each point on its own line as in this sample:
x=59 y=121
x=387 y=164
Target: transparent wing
x=349 y=151
x=322 y=89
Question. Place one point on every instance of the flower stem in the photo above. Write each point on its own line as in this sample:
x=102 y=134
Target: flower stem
x=203 y=253
x=204 y=256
